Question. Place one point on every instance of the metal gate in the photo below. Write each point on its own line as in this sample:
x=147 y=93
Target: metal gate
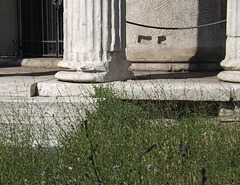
x=40 y=24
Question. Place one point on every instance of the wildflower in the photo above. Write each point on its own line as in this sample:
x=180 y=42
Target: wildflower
x=149 y=166
x=25 y=180
x=74 y=180
x=43 y=173
x=70 y=168
x=43 y=182
x=156 y=170
x=116 y=166
x=205 y=133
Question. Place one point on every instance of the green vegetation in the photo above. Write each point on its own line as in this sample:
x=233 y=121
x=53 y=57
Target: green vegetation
x=132 y=142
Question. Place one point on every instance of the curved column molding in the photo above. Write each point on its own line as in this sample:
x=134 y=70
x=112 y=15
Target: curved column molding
x=94 y=41
x=231 y=63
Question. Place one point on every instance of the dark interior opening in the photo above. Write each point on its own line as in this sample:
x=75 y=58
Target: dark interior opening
x=40 y=28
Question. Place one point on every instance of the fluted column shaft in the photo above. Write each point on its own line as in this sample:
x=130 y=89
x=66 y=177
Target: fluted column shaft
x=94 y=41
x=231 y=63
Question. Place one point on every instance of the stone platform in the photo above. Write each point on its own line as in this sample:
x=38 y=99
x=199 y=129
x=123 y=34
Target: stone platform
x=33 y=98
x=196 y=86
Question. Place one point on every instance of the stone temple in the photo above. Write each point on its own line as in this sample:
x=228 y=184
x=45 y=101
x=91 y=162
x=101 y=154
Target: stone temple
x=164 y=50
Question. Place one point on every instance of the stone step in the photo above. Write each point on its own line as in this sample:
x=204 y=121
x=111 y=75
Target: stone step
x=209 y=89
x=17 y=87
x=29 y=82
x=45 y=119
x=22 y=81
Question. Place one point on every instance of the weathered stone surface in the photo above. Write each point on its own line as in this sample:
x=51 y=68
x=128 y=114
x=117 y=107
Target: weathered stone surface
x=143 y=45
x=26 y=89
x=41 y=62
x=229 y=76
x=227 y=115
x=45 y=119
x=233 y=18
x=12 y=87
x=159 y=67
x=25 y=82
x=21 y=81
x=232 y=59
x=229 y=112
x=54 y=88
x=149 y=45
x=173 y=90
x=174 y=67
x=207 y=89
x=235 y=91
x=94 y=41
x=231 y=63
x=113 y=73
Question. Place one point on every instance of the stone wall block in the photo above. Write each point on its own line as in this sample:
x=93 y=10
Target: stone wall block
x=145 y=45
x=229 y=112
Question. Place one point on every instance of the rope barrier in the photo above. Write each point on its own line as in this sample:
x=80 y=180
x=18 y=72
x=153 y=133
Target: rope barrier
x=176 y=28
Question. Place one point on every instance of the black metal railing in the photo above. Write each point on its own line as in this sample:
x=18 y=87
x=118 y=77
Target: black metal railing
x=40 y=28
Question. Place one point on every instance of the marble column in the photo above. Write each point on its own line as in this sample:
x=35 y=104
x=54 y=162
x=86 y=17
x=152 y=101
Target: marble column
x=94 y=41
x=231 y=63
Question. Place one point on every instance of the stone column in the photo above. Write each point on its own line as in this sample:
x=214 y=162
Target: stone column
x=231 y=63
x=94 y=41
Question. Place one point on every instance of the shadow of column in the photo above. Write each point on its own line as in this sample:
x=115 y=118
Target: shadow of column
x=211 y=40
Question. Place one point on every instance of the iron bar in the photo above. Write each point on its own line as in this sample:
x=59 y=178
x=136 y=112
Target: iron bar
x=40 y=28
x=43 y=34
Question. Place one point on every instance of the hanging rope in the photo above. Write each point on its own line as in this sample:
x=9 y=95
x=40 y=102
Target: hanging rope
x=176 y=28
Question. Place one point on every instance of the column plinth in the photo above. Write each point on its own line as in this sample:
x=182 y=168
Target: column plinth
x=231 y=63
x=94 y=41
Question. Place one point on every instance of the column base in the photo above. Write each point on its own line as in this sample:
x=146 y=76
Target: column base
x=229 y=76
x=231 y=64
x=80 y=76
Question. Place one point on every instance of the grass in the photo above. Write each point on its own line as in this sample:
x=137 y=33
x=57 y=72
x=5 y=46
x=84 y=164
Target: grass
x=131 y=142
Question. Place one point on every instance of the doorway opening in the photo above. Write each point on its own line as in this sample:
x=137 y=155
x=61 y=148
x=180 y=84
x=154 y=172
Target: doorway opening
x=40 y=28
